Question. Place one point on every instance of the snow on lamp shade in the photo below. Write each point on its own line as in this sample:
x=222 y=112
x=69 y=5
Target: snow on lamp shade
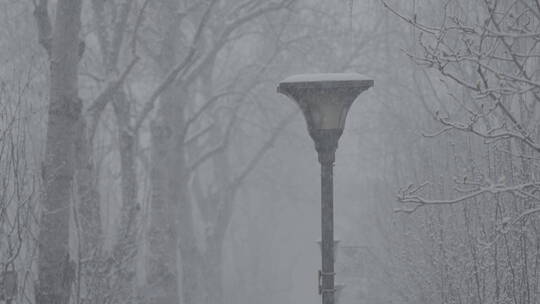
x=325 y=99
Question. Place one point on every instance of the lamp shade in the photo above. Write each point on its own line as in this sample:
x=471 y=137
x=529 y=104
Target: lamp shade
x=325 y=99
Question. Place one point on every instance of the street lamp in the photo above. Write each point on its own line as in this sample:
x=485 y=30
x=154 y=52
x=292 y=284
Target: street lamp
x=325 y=100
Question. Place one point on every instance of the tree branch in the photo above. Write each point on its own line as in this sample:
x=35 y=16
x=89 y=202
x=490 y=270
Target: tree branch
x=182 y=66
x=220 y=148
x=41 y=14
x=118 y=34
x=263 y=149
x=409 y=195
x=106 y=95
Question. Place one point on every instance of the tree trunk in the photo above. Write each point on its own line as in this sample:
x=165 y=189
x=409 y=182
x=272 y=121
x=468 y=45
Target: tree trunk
x=125 y=249
x=162 y=274
x=180 y=218
x=90 y=279
x=55 y=269
x=192 y=261
x=214 y=270
x=166 y=165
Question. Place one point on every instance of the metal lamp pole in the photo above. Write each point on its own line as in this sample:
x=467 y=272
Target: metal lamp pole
x=325 y=100
x=326 y=145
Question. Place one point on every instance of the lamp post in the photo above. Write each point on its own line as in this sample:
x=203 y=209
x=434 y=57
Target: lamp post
x=325 y=100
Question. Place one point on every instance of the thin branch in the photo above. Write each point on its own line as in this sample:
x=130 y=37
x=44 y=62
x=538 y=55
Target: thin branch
x=206 y=105
x=138 y=23
x=220 y=148
x=435 y=134
x=98 y=7
x=118 y=34
x=525 y=214
x=531 y=9
x=41 y=14
x=106 y=95
x=491 y=134
x=183 y=65
x=263 y=149
x=169 y=79
x=227 y=31
x=409 y=197
x=198 y=135
x=411 y=21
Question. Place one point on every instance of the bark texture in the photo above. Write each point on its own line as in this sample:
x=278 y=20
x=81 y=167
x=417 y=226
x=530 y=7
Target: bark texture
x=90 y=271
x=55 y=269
x=166 y=159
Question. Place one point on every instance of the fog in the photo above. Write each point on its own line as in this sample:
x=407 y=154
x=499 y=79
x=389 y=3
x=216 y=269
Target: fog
x=146 y=155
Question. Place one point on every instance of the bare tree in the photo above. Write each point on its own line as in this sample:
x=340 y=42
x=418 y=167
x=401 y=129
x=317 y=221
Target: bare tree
x=56 y=269
x=494 y=62
x=176 y=131
x=485 y=55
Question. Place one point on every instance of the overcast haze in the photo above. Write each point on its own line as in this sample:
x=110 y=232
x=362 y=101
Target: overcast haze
x=147 y=157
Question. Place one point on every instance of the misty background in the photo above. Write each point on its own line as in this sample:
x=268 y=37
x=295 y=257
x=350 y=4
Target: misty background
x=146 y=157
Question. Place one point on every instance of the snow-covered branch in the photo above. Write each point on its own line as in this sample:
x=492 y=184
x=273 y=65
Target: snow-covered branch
x=413 y=201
